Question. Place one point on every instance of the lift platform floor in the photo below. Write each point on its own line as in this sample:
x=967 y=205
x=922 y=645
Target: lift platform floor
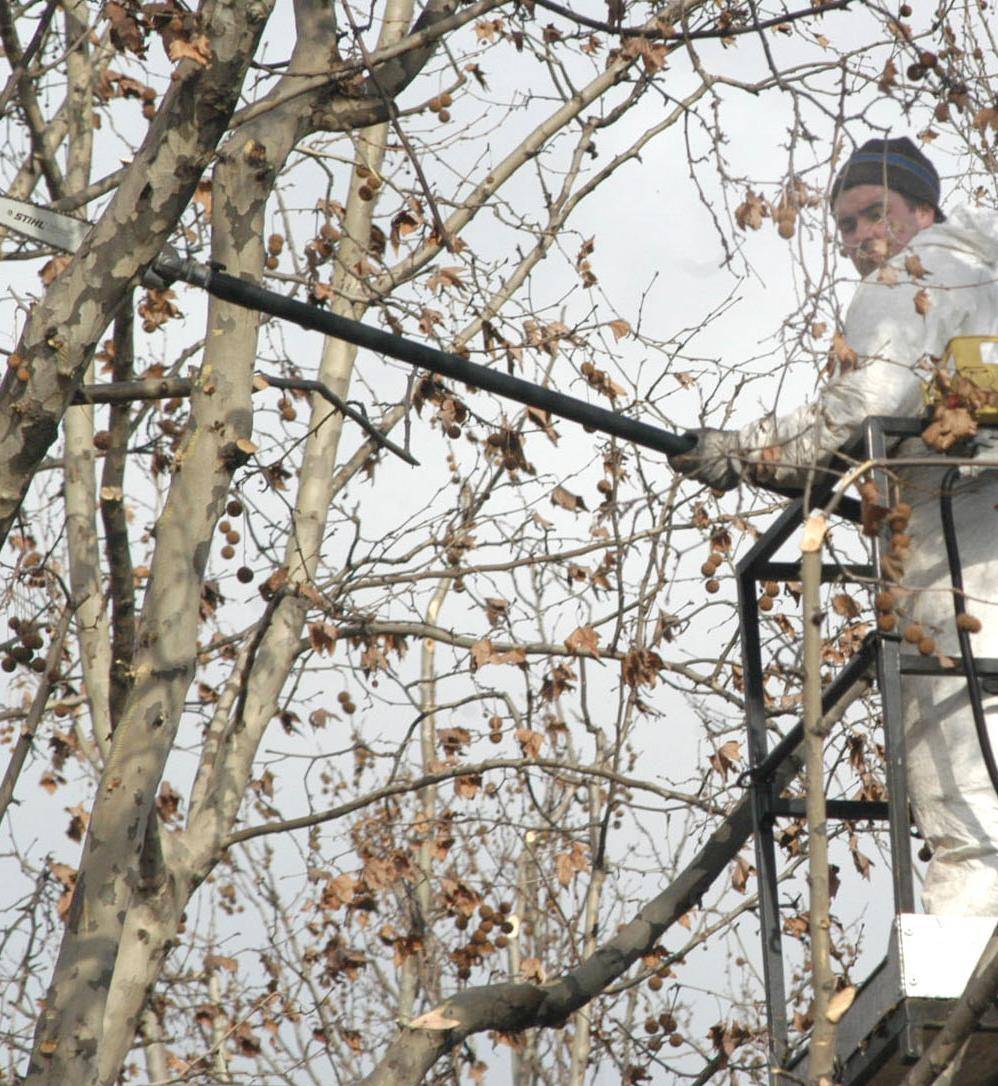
x=902 y=1006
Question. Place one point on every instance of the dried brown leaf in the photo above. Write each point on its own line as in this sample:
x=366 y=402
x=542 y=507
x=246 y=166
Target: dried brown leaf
x=566 y=499
x=196 y=48
x=584 y=640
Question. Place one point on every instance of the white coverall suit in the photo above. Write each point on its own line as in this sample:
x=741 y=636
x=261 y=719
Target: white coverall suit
x=954 y=803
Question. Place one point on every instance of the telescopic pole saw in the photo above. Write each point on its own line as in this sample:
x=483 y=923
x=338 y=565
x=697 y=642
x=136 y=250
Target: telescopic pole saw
x=66 y=233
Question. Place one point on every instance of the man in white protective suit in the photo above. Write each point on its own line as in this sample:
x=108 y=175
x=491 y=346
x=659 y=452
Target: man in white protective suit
x=885 y=202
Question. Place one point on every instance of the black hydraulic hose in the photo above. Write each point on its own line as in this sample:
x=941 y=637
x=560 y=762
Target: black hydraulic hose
x=249 y=295
x=959 y=606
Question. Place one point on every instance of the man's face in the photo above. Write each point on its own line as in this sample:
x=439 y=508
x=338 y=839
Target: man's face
x=876 y=223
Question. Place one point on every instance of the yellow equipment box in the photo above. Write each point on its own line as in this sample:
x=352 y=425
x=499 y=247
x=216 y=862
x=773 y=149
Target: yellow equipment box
x=968 y=371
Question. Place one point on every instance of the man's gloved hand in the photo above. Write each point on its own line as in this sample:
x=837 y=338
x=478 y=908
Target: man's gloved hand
x=713 y=460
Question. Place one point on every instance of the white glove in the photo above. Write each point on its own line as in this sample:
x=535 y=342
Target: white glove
x=713 y=460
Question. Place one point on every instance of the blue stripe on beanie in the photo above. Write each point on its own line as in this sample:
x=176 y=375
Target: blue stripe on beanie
x=900 y=162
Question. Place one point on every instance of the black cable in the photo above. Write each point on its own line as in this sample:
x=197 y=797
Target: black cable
x=966 y=652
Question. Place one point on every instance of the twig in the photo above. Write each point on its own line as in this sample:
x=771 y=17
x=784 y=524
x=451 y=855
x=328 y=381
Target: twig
x=691 y=35
x=392 y=112
x=822 y=1054
x=29 y=103
x=717 y=1063
x=158 y=388
x=120 y=392
x=27 y=734
x=91 y=192
x=305 y=385
x=454 y=773
x=259 y=1005
x=337 y=73
x=268 y=616
x=20 y=68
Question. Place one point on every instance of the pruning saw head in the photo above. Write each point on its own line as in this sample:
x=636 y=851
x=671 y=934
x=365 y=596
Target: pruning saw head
x=51 y=228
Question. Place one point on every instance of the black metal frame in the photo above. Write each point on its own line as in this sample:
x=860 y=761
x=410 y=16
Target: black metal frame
x=880 y=653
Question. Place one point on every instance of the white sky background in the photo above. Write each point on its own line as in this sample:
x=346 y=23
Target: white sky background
x=657 y=253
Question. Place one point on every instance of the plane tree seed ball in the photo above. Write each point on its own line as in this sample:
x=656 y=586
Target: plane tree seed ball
x=884 y=601
x=969 y=623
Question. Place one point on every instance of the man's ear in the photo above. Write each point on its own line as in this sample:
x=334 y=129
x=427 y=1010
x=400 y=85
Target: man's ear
x=925 y=215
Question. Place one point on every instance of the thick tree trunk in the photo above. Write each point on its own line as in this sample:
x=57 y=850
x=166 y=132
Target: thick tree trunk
x=65 y=326
x=56 y=348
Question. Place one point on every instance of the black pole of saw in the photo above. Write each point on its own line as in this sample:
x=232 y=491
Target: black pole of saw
x=250 y=296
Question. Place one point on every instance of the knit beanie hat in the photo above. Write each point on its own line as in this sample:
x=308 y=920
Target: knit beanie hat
x=897 y=164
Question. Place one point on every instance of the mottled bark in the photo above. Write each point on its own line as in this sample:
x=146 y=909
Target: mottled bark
x=55 y=349
x=164 y=659
x=230 y=767
x=65 y=326
x=78 y=456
